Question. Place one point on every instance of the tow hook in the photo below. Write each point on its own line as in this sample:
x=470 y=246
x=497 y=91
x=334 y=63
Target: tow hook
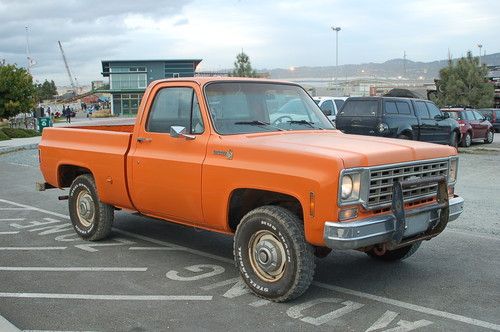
x=379 y=250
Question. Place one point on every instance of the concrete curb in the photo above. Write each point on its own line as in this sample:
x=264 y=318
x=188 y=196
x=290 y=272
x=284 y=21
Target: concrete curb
x=7 y=326
x=9 y=149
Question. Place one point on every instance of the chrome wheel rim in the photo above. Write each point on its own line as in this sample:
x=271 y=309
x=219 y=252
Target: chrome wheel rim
x=267 y=256
x=490 y=136
x=468 y=140
x=85 y=208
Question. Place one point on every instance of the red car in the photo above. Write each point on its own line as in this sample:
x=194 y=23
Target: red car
x=473 y=125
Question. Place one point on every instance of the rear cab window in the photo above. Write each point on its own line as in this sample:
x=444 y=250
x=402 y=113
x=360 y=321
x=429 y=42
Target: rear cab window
x=433 y=110
x=396 y=107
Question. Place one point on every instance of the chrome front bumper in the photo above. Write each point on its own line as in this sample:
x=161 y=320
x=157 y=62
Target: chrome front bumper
x=393 y=228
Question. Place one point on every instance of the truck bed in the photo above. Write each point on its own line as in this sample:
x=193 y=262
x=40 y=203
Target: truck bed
x=102 y=149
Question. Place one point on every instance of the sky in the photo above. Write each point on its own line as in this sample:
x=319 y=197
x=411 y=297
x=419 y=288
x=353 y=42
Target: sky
x=275 y=34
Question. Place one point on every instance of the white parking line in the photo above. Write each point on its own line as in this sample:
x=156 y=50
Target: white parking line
x=152 y=248
x=32 y=248
x=12 y=219
x=109 y=297
x=12 y=209
x=73 y=269
x=397 y=303
x=7 y=233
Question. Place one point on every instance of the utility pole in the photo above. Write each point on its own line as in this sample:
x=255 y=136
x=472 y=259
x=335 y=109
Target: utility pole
x=480 y=47
x=336 y=29
x=30 y=61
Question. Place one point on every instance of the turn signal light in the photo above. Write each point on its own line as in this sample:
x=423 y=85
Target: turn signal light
x=348 y=214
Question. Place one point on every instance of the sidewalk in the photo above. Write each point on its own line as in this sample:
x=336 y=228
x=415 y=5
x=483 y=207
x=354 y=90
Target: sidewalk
x=17 y=144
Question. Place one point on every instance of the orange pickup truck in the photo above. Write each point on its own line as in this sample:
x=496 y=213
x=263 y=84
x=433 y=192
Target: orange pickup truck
x=257 y=159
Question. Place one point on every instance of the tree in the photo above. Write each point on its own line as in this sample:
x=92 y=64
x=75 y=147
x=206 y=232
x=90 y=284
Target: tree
x=46 y=90
x=17 y=91
x=464 y=83
x=242 y=67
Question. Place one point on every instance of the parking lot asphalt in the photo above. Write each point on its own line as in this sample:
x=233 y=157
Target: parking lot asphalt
x=152 y=275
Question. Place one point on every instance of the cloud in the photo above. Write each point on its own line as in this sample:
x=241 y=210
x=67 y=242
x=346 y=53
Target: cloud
x=273 y=33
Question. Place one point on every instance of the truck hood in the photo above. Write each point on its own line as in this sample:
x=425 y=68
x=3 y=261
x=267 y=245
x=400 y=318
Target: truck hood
x=354 y=150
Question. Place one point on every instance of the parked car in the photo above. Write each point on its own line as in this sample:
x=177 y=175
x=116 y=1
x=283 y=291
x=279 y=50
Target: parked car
x=473 y=125
x=204 y=153
x=405 y=118
x=330 y=106
x=492 y=115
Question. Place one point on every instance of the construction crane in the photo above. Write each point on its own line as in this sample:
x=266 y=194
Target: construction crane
x=71 y=80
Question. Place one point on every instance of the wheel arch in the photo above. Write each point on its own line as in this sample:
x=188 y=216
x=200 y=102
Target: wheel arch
x=243 y=200
x=67 y=173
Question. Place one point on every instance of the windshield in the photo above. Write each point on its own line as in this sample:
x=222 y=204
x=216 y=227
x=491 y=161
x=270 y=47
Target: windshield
x=248 y=107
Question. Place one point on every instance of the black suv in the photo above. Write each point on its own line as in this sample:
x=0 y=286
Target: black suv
x=405 y=118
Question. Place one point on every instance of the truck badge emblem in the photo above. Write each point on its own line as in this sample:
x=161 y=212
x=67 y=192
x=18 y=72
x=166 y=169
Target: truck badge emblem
x=228 y=154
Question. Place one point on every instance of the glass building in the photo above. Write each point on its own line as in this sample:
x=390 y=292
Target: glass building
x=128 y=79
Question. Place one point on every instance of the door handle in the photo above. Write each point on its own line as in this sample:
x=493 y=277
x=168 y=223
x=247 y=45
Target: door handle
x=143 y=139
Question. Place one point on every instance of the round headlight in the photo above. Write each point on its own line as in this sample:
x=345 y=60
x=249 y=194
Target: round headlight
x=346 y=189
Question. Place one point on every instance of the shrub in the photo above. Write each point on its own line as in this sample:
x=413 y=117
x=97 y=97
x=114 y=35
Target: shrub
x=19 y=132
x=3 y=136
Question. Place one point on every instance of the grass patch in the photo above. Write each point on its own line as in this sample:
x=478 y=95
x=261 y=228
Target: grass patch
x=19 y=132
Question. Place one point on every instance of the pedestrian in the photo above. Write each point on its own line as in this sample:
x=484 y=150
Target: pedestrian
x=68 y=114
x=48 y=111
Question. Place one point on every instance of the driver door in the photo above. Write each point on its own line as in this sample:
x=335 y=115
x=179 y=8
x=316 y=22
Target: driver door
x=166 y=170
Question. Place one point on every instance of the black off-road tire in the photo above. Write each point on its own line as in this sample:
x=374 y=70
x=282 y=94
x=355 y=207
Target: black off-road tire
x=101 y=220
x=489 y=139
x=287 y=229
x=466 y=140
x=397 y=254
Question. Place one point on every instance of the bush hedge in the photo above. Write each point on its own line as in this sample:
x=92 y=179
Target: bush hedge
x=3 y=136
x=19 y=132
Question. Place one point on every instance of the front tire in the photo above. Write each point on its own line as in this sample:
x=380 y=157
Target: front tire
x=454 y=139
x=91 y=218
x=396 y=254
x=467 y=140
x=490 y=136
x=270 y=250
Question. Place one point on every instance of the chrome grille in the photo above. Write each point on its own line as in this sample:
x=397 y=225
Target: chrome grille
x=382 y=179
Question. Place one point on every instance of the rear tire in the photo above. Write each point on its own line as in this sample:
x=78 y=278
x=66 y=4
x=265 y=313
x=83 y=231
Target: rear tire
x=275 y=261
x=91 y=218
x=397 y=254
x=467 y=140
x=490 y=136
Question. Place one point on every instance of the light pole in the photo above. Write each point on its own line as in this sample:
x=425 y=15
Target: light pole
x=336 y=29
x=480 y=47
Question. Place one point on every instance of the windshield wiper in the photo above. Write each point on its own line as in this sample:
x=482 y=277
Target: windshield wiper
x=309 y=123
x=257 y=123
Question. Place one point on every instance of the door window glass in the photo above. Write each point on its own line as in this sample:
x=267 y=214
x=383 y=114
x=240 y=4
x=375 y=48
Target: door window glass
x=403 y=107
x=175 y=107
x=433 y=110
x=421 y=109
x=327 y=107
x=390 y=107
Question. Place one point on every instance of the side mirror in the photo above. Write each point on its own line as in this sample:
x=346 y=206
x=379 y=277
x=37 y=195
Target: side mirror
x=180 y=131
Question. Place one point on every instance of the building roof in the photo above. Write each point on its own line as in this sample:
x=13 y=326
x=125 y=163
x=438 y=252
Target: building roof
x=105 y=63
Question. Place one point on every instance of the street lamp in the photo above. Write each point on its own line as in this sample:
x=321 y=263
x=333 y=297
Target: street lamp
x=480 y=47
x=336 y=29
